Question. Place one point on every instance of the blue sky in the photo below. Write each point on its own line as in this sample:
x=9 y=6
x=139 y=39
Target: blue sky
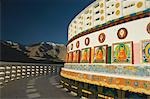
x=32 y=21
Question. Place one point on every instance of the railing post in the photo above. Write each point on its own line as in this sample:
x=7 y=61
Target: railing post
x=30 y=71
x=40 y=67
x=18 y=71
x=7 y=70
x=51 y=70
x=47 y=69
x=36 y=70
x=21 y=76
x=26 y=71
x=23 y=71
x=5 y=75
x=13 y=72
x=2 y=75
x=42 y=70
x=39 y=70
x=33 y=70
x=55 y=69
x=10 y=72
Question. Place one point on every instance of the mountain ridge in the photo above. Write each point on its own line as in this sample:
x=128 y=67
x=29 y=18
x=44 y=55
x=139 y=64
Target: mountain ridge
x=42 y=52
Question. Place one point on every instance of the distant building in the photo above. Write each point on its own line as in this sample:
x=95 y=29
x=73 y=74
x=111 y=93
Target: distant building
x=109 y=46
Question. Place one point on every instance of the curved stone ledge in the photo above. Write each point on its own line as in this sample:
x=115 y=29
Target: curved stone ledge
x=127 y=84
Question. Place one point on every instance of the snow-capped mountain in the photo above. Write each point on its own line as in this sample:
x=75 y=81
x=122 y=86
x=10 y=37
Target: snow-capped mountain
x=41 y=52
x=12 y=43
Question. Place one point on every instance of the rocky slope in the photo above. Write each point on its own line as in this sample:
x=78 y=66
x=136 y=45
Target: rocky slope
x=43 y=52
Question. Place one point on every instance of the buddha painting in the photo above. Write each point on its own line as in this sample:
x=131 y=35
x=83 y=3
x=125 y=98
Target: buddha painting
x=76 y=55
x=122 y=53
x=70 y=57
x=100 y=54
x=85 y=55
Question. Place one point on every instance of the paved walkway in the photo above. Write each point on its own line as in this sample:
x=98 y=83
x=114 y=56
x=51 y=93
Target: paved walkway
x=43 y=87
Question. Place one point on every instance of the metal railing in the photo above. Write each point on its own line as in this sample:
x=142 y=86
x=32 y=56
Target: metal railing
x=14 y=71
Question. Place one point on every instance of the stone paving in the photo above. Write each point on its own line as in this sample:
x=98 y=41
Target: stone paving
x=42 y=87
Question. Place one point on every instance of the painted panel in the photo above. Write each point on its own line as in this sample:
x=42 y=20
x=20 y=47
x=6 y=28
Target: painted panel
x=67 y=57
x=146 y=51
x=100 y=54
x=85 y=55
x=122 y=52
x=76 y=56
x=70 y=57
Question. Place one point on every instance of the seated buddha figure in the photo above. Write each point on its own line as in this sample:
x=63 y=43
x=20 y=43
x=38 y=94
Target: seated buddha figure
x=74 y=57
x=122 y=56
x=85 y=56
x=99 y=54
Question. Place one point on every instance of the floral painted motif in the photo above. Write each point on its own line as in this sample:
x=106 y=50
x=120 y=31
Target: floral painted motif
x=129 y=70
x=122 y=33
x=101 y=37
